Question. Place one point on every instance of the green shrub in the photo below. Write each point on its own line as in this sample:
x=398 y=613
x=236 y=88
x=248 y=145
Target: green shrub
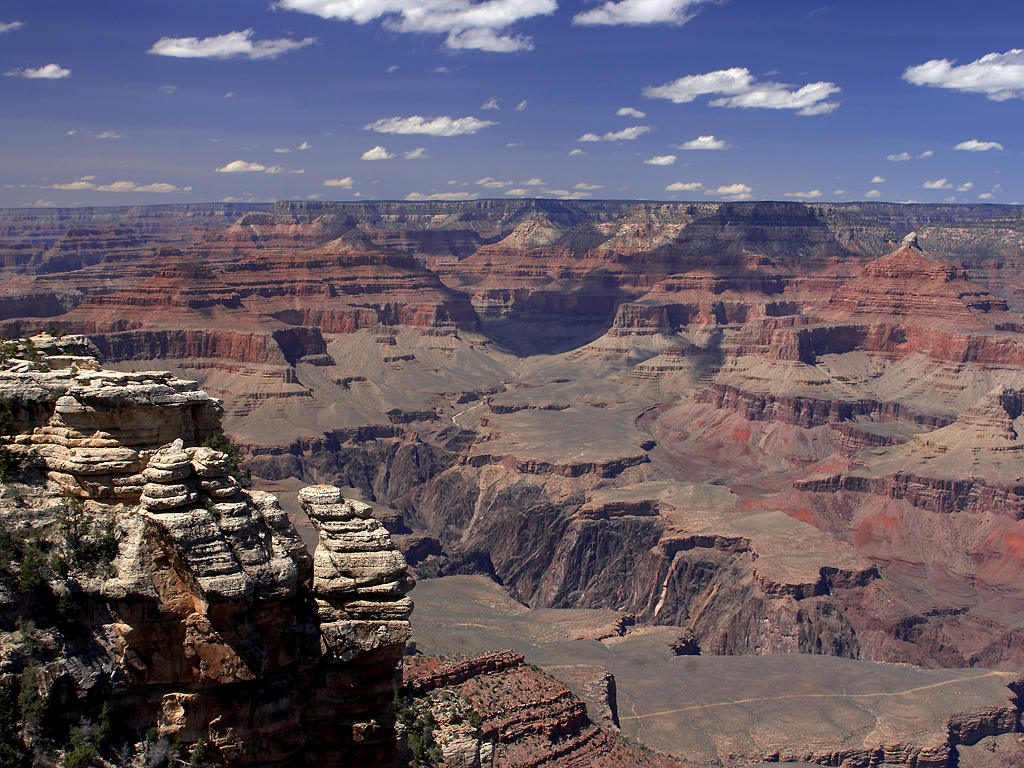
x=218 y=441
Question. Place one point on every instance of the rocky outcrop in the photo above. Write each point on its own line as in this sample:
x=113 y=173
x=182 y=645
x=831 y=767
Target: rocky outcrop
x=190 y=606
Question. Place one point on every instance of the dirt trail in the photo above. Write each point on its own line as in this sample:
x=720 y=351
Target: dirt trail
x=693 y=707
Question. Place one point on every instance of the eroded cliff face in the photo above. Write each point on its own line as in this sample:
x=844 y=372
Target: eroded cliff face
x=139 y=577
x=727 y=417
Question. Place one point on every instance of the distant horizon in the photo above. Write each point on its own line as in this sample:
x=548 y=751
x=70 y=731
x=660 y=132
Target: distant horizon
x=506 y=200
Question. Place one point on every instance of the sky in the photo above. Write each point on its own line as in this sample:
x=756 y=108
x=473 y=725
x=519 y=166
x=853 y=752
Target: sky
x=168 y=101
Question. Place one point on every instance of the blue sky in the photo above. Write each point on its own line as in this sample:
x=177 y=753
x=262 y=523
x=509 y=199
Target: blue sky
x=106 y=103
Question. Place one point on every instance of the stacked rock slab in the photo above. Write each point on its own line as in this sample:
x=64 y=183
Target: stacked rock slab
x=208 y=624
x=95 y=429
x=360 y=584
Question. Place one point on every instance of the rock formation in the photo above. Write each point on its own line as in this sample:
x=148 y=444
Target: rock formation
x=185 y=604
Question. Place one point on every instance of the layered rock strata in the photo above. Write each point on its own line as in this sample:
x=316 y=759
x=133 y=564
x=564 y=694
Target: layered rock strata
x=211 y=622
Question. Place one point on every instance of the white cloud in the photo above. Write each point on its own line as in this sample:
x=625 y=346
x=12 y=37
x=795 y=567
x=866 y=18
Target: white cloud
x=304 y=146
x=244 y=166
x=684 y=186
x=517 y=192
x=442 y=196
x=10 y=26
x=902 y=157
x=492 y=183
x=1000 y=76
x=974 y=145
x=282 y=150
x=430 y=126
x=937 y=184
x=109 y=135
x=168 y=90
x=965 y=187
x=346 y=182
x=985 y=196
x=47 y=72
x=661 y=160
x=44 y=204
x=739 y=90
x=229 y=95
x=86 y=182
x=732 y=192
x=838 y=191
x=588 y=187
x=491 y=103
x=576 y=152
x=481 y=26
x=637 y=12
x=630 y=112
x=878 y=180
x=566 y=194
x=814 y=194
x=521 y=105
x=534 y=182
x=298 y=170
x=703 y=142
x=872 y=194
x=226 y=46
x=626 y=134
x=420 y=153
x=377 y=153
x=514 y=144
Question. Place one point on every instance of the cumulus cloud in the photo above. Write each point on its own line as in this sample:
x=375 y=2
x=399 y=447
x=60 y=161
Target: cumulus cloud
x=1000 y=76
x=684 y=186
x=226 y=46
x=534 y=182
x=566 y=194
x=46 y=72
x=738 y=89
x=974 y=145
x=588 y=187
x=872 y=194
x=346 y=182
x=490 y=183
x=630 y=112
x=985 y=196
x=626 y=134
x=244 y=166
x=10 y=26
x=661 y=160
x=282 y=150
x=732 y=192
x=878 y=180
x=304 y=146
x=638 y=12
x=43 y=204
x=937 y=184
x=517 y=192
x=377 y=153
x=86 y=182
x=902 y=157
x=491 y=103
x=703 y=142
x=965 y=187
x=576 y=152
x=474 y=25
x=420 y=153
x=442 y=196
x=814 y=194
x=109 y=135
x=430 y=126
x=521 y=105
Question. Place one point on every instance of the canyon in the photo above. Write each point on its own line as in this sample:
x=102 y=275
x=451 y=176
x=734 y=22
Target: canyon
x=770 y=428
